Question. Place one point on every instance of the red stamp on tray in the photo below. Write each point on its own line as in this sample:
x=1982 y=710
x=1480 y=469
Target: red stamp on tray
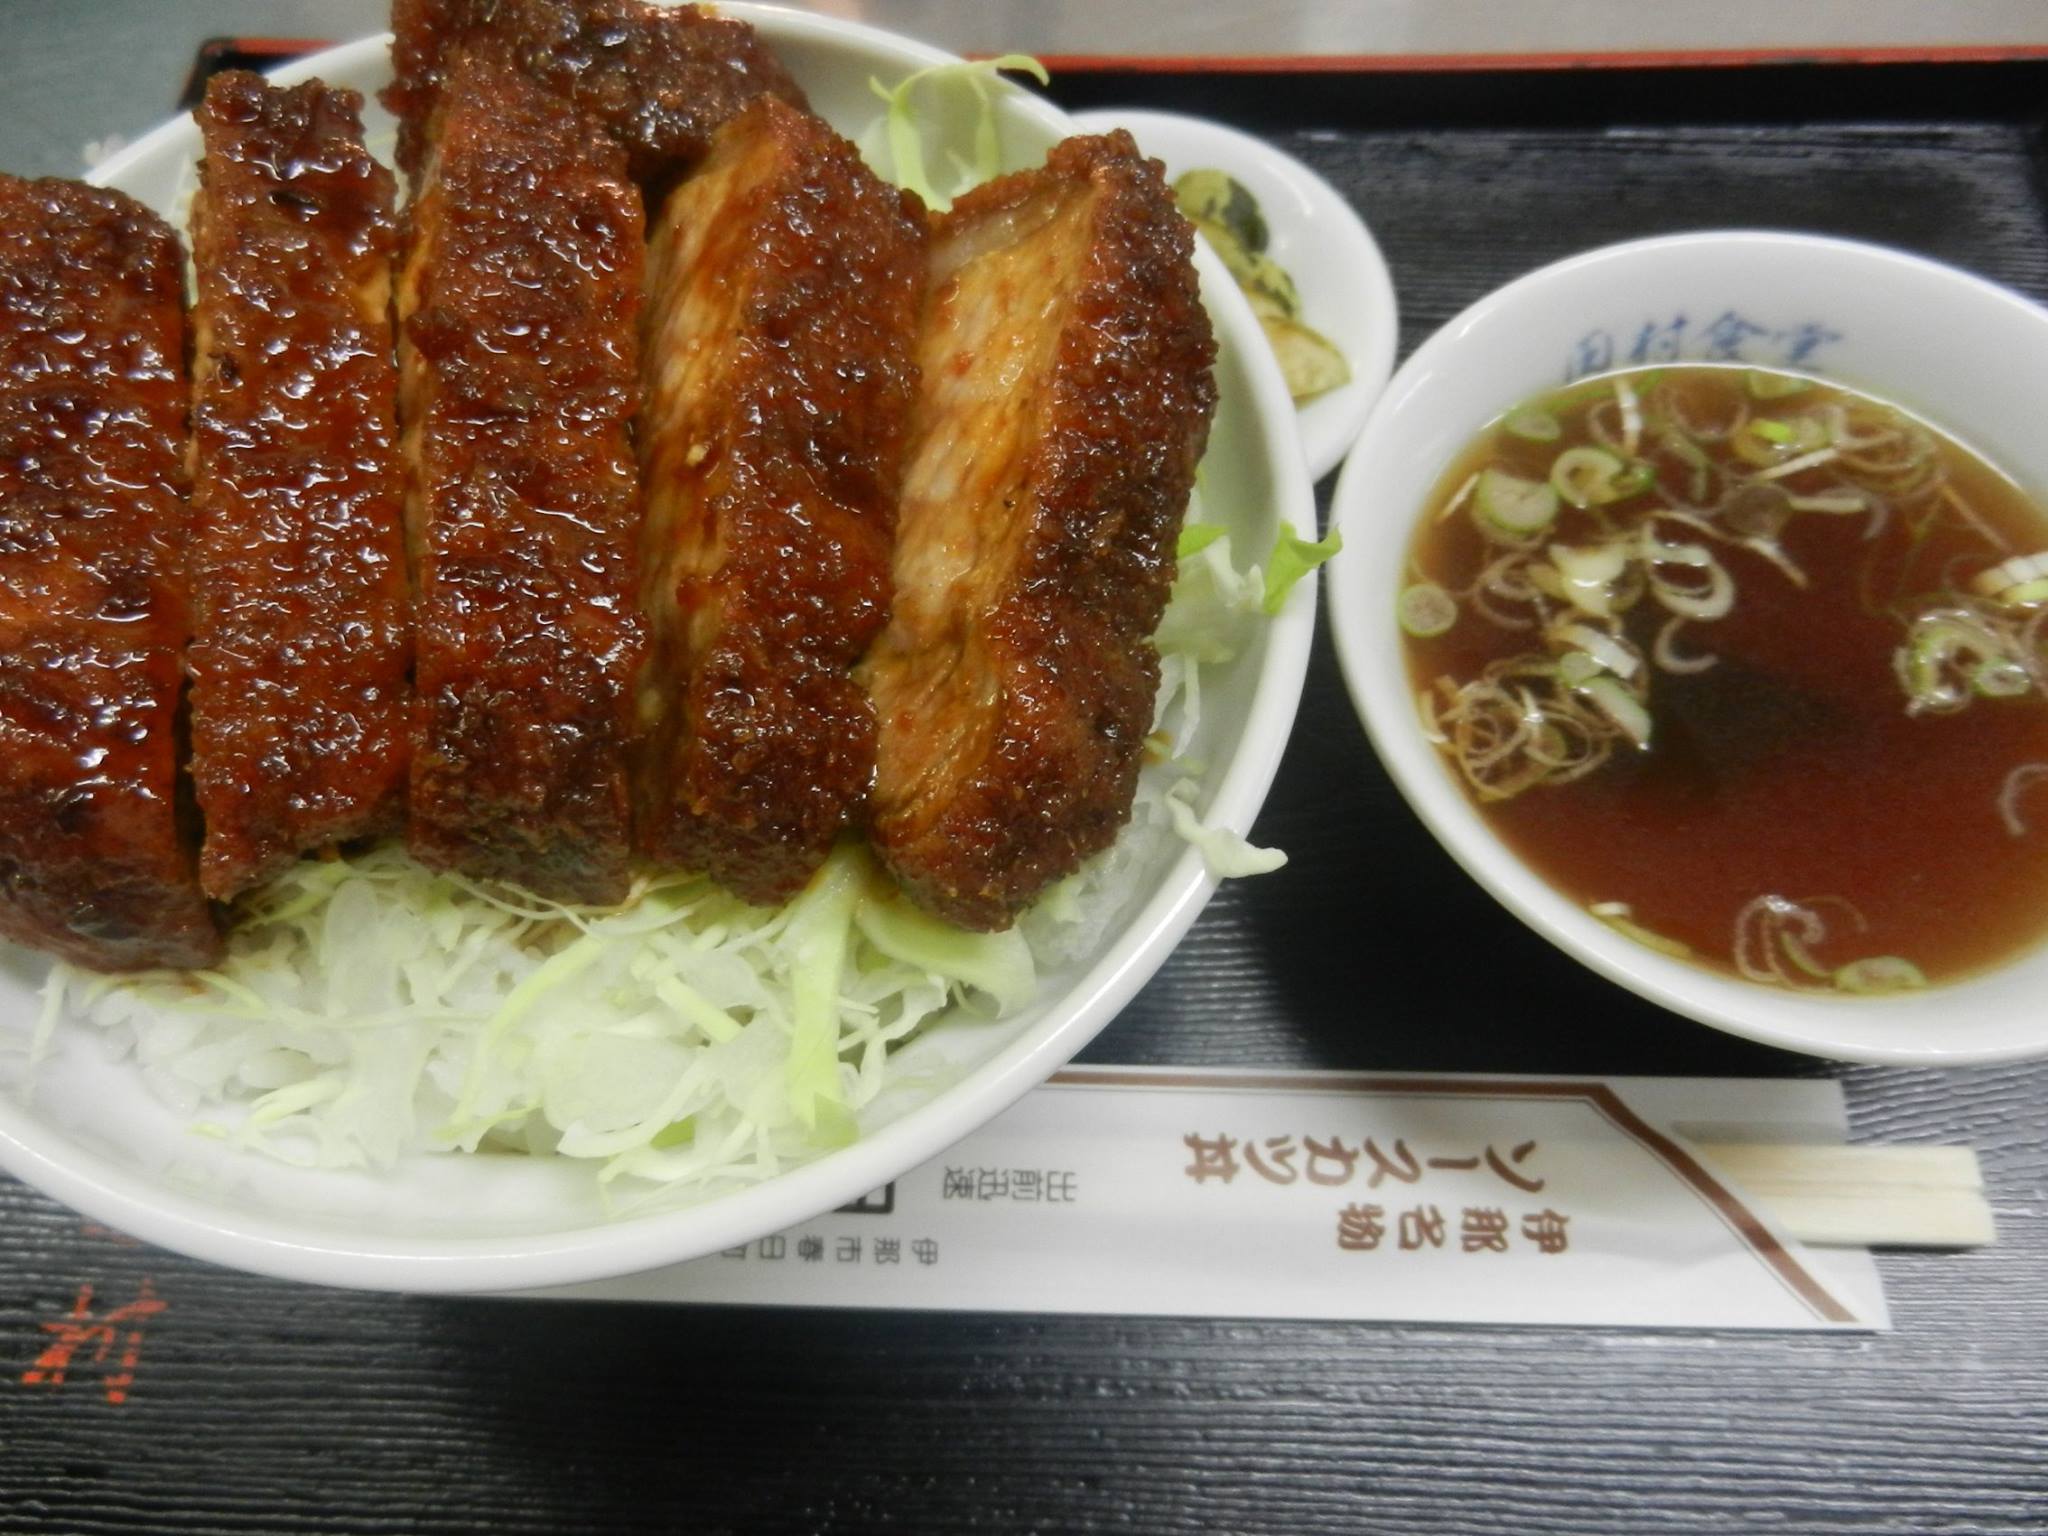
x=82 y=1339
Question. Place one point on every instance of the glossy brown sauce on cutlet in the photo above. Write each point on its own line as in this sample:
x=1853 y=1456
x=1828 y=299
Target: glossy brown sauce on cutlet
x=95 y=857
x=1065 y=401
x=301 y=607
x=784 y=282
x=519 y=305
x=660 y=79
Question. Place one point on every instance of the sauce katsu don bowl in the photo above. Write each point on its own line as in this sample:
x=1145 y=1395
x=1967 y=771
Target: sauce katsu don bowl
x=1683 y=595
x=98 y=1119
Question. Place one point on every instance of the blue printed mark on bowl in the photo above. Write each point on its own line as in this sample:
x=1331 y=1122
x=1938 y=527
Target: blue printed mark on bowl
x=1731 y=336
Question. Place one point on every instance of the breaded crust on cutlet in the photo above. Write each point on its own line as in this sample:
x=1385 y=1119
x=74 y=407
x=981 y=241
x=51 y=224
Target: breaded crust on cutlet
x=301 y=608
x=95 y=857
x=1065 y=401
x=660 y=79
x=518 y=311
x=784 y=281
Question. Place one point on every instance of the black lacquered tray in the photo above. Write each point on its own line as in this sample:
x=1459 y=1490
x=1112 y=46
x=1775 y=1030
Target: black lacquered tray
x=250 y=1405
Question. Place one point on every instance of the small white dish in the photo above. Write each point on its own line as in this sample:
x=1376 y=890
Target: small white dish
x=1968 y=355
x=1346 y=292
x=93 y=1136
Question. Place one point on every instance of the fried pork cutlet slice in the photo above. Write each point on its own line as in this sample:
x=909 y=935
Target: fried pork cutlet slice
x=660 y=78
x=518 y=308
x=301 y=610
x=1065 y=400
x=784 y=283
x=95 y=856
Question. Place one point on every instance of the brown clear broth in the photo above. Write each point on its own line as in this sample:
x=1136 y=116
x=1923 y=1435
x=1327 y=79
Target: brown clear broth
x=1791 y=767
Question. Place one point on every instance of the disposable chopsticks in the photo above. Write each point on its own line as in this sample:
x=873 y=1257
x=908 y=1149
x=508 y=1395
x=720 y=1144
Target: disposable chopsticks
x=1875 y=1197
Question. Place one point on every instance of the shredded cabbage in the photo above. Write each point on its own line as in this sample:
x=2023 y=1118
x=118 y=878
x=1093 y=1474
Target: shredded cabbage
x=894 y=145
x=1228 y=854
x=1294 y=557
x=683 y=1042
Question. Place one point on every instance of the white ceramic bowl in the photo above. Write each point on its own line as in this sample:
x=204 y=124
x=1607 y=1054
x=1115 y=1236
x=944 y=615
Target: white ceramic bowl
x=1968 y=355
x=94 y=1137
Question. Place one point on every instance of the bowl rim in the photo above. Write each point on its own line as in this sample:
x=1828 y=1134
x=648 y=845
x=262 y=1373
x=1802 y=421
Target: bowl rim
x=134 y=1201
x=1361 y=622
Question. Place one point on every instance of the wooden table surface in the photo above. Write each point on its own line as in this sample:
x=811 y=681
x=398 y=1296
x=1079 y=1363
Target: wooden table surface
x=222 y=1403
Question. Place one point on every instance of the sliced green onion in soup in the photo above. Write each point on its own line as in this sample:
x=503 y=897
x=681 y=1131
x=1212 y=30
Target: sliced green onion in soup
x=1508 y=504
x=1533 y=424
x=2017 y=583
x=1576 y=667
x=1593 y=477
x=1426 y=610
x=1835 y=503
x=1586 y=574
x=1619 y=705
x=1620 y=916
x=1774 y=386
x=1767 y=442
x=1879 y=974
x=2001 y=677
x=1607 y=651
x=1941 y=641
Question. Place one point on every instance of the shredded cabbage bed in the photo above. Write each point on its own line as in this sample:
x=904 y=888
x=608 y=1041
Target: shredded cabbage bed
x=682 y=1043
